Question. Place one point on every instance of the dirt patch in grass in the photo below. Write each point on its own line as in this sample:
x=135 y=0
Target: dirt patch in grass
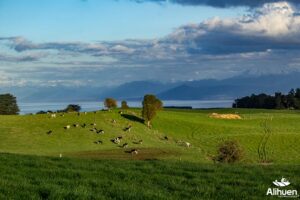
x=125 y=154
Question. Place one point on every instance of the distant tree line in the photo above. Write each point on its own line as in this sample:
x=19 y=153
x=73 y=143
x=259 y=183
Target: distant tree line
x=277 y=101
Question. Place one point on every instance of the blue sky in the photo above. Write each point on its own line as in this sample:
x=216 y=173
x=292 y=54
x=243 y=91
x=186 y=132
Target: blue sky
x=107 y=42
x=94 y=20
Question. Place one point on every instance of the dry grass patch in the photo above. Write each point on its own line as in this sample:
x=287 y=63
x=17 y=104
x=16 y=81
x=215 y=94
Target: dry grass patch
x=225 y=116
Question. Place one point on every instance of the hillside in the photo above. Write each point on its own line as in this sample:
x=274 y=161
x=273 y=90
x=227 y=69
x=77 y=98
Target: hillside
x=30 y=160
x=28 y=135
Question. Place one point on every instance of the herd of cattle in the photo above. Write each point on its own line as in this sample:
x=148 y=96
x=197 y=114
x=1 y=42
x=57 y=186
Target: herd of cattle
x=116 y=140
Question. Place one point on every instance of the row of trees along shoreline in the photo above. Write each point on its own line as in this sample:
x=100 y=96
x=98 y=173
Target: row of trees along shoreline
x=151 y=104
x=276 y=101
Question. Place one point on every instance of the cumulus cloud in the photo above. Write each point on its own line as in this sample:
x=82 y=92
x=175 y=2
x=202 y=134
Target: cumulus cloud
x=266 y=40
x=274 y=26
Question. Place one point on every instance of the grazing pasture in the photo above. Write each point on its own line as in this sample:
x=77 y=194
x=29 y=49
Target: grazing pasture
x=95 y=156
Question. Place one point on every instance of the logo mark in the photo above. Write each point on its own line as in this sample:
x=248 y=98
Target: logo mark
x=282 y=183
x=280 y=192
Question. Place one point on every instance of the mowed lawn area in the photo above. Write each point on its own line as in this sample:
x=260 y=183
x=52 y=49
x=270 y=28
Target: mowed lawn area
x=31 y=167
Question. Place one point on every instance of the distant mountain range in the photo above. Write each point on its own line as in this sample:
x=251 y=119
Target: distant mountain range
x=226 y=89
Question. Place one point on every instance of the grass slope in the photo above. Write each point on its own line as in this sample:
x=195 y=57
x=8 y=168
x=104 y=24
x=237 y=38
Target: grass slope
x=162 y=170
x=27 y=135
x=32 y=177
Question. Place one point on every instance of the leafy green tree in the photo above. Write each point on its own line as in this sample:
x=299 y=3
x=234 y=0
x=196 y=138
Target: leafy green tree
x=151 y=105
x=124 y=105
x=110 y=103
x=8 y=105
x=73 y=108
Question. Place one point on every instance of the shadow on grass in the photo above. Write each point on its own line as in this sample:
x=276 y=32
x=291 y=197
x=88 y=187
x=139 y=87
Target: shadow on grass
x=133 y=118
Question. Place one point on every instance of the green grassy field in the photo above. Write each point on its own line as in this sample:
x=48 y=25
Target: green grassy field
x=163 y=168
x=32 y=177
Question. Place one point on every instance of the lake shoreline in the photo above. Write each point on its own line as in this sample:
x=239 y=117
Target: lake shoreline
x=27 y=108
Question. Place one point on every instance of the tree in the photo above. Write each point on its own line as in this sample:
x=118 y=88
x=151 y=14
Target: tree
x=73 y=108
x=124 y=105
x=110 y=103
x=8 y=105
x=151 y=105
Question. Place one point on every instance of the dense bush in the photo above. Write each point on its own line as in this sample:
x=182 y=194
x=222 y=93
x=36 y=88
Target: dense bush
x=229 y=151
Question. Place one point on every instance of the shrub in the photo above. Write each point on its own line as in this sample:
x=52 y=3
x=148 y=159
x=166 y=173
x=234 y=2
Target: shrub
x=229 y=151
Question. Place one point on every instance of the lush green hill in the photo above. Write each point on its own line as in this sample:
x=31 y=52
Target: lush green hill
x=32 y=177
x=163 y=169
x=28 y=135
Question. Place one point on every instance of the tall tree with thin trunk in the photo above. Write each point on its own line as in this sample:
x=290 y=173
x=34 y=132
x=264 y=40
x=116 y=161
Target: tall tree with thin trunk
x=151 y=105
x=8 y=105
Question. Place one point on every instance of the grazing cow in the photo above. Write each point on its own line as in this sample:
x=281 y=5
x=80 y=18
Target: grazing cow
x=49 y=132
x=120 y=112
x=138 y=142
x=93 y=129
x=116 y=141
x=100 y=131
x=125 y=145
x=98 y=142
x=62 y=115
x=83 y=125
x=134 y=151
x=85 y=113
x=53 y=116
x=166 y=138
x=93 y=124
x=78 y=114
x=127 y=129
x=76 y=125
x=67 y=127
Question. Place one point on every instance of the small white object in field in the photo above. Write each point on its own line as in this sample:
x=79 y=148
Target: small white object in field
x=67 y=127
x=187 y=144
x=60 y=155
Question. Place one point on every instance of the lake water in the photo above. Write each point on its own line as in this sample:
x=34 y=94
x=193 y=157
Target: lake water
x=91 y=106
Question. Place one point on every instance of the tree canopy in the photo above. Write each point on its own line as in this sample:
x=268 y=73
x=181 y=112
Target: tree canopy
x=151 y=105
x=278 y=101
x=72 y=108
x=110 y=103
x=8 y=105
x=124 y=105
